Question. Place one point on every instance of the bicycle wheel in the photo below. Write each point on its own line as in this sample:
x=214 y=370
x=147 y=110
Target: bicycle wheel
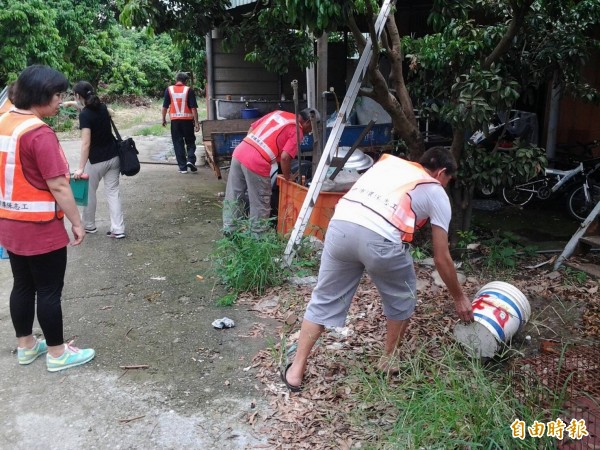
x=579 y=208
x=515 y=196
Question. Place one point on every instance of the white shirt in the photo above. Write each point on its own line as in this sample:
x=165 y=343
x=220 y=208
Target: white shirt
x=428 y=201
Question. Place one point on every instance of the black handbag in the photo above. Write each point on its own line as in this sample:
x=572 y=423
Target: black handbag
x=128 y=154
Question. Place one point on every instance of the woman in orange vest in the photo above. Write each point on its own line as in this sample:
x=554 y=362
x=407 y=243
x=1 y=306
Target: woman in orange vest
x=369 y=230
x=35 y=195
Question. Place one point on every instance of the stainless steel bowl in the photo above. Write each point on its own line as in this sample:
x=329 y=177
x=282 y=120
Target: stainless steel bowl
x=358 y=160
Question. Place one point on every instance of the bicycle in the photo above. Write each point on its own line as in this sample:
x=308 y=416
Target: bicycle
x=583 y=199
x=550 y=183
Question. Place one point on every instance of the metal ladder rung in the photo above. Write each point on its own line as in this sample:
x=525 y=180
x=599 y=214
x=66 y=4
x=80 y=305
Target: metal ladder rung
x=335 y=135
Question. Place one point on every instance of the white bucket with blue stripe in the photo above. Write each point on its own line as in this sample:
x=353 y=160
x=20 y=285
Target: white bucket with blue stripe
x=500 y=310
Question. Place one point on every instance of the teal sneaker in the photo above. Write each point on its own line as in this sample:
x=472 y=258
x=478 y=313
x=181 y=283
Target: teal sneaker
x=71 y=357
x=29 y=355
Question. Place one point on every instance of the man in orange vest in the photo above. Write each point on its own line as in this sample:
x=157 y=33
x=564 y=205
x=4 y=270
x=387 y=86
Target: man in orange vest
x=370 y=230
x=180 y=102
x=272 y=139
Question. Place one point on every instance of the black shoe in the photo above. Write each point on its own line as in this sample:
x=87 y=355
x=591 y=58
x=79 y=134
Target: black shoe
x=192 y=167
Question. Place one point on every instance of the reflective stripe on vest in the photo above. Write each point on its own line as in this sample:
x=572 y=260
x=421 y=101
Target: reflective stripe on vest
x=19 y=199
x=179 y=109
x=264 y=137
x=385 y=188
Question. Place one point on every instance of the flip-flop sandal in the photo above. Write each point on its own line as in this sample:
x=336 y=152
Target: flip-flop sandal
x=291 y=387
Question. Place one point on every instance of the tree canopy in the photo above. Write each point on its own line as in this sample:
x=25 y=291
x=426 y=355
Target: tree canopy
x=479 y=57
x=83 y=39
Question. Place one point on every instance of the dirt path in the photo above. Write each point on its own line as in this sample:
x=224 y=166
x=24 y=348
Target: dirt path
x=140 y=301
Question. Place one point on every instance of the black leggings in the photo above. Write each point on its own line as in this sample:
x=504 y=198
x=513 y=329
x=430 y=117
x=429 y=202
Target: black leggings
x=43 y=275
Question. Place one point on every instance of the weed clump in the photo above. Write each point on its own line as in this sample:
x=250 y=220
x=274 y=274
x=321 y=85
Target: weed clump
x=245 y=262
x=444 y=401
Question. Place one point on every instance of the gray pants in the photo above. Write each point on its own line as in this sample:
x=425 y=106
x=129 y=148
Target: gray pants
x=351 y=249
x=240 y=181
x=109 y=171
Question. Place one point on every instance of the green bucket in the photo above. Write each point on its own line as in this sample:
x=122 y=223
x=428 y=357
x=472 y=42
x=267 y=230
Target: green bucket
x=80 y=191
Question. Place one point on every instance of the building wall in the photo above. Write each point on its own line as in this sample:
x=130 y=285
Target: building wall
x=579 y=120
x=236 y=77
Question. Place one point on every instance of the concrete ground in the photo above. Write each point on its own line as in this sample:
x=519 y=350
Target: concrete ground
x=149 y=300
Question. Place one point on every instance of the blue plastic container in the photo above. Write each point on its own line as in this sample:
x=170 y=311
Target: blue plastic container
x=380 y=134
x=250 y=113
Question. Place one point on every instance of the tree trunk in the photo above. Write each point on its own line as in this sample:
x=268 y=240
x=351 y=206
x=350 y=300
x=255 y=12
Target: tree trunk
x=398 y=106
x=461 y=200
x=461 y=197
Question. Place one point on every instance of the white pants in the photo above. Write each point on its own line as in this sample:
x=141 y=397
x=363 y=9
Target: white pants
x=109 y=171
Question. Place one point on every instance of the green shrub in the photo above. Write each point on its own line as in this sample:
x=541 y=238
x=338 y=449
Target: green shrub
x=419 y=253
x=574 y=277
x=246 y=263
x=482 y=167
x=465 y=238
x=65 y=120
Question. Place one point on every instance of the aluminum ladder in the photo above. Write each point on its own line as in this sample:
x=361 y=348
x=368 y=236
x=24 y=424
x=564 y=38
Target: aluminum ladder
x=3 y=96
x=335 y=135
x=588 y=234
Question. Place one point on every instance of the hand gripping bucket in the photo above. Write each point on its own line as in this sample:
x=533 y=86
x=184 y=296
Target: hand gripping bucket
x=500 y=310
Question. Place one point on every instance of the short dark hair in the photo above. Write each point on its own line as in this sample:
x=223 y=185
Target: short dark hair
x=182 y=76
x=37 y=85
x=439 y=158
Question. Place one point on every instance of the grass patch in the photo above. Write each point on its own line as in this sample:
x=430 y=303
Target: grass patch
x=244 y=262
x=128 y=116
x=153 y=130
x=446 y=401
x=227 y=300
x=573 y=277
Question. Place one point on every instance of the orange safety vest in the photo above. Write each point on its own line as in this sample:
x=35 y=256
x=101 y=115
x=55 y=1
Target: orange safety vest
x=385 y=189
x=264 y=137
x=19 y=199
x=179 y=109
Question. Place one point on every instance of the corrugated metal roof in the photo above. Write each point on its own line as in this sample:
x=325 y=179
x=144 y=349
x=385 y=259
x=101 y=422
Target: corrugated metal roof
x=236 y=3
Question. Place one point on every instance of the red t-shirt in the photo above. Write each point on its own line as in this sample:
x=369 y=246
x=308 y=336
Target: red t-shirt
x=42 y=158
x=253 y=160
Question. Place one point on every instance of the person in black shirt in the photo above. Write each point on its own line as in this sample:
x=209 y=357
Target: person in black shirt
x=99 y=159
